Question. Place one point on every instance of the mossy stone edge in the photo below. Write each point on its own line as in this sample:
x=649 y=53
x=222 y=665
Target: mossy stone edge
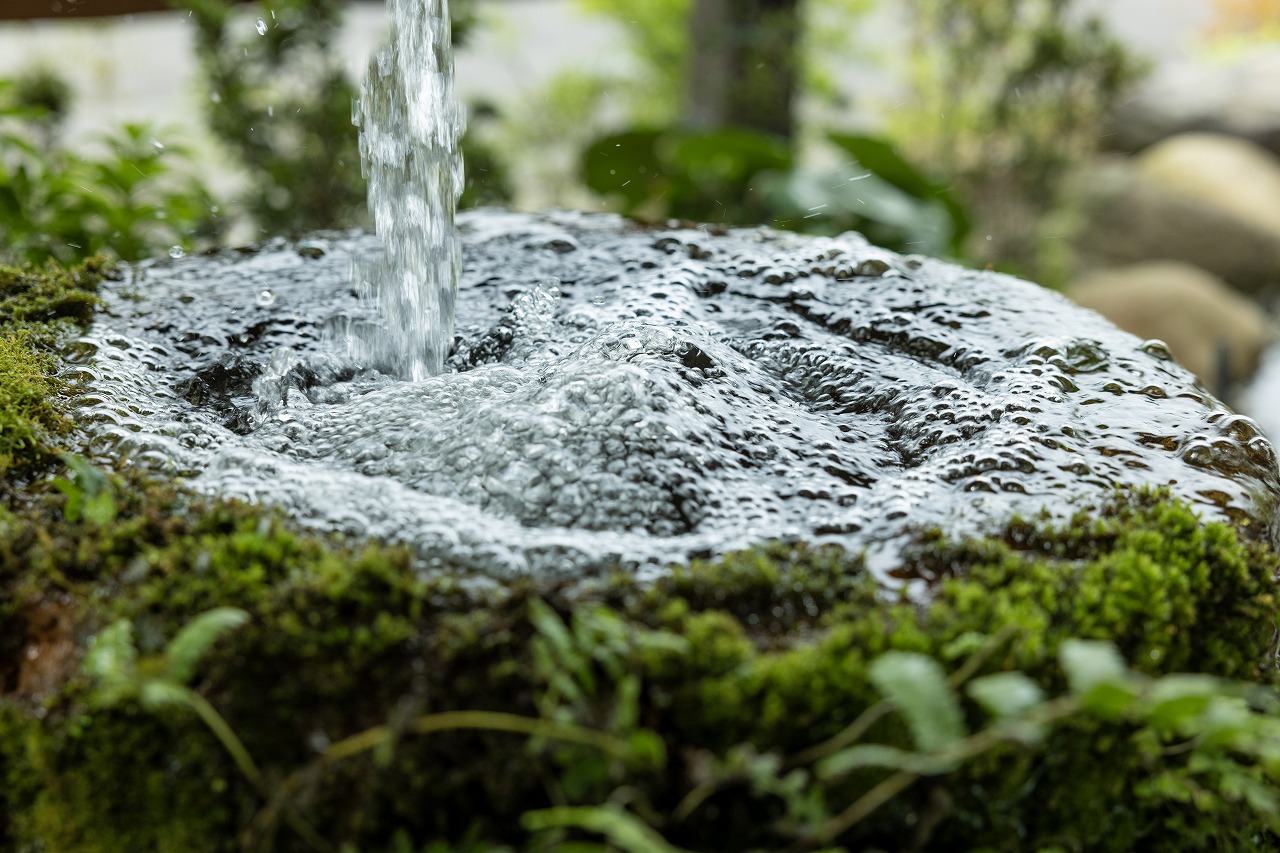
x=761 y=652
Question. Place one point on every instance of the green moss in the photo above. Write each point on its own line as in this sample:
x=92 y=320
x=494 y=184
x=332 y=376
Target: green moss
x=29 y=415
x=38 y=311
x=773 y=652
x=50 y=299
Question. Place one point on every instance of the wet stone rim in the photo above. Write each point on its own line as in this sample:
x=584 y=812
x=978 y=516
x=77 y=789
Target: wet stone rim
x=621 y=394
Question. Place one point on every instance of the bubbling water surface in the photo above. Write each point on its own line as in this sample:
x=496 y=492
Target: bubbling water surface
x=622 y=395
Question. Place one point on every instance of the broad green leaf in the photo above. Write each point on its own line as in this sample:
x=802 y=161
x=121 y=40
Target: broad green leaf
x=881 y=158
x=1088 y=663
x=730 y=154
x=624 y=830
x=196 y=637
x=1005 y=694
x=878 y=755
x=625 y=164
x=917 y=685
x=1175 y=700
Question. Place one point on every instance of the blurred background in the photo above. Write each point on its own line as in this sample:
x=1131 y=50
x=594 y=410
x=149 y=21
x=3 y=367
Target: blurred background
x=1125 y=151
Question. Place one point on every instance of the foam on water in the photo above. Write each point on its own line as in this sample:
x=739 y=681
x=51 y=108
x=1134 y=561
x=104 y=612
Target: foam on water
x=621 y=395
x=410 y=127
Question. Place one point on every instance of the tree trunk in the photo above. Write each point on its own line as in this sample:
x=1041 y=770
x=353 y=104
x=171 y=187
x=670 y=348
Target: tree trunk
x=743 y=64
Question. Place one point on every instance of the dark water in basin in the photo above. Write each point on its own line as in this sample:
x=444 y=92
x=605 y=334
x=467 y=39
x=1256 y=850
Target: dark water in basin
x=618 y=394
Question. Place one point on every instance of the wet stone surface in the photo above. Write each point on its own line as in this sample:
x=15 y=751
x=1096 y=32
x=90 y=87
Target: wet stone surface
x=617 y=394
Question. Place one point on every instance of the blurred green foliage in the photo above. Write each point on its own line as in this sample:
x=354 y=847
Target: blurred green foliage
x=132 y=195
x=737 y=175
x=281 y=103
x=1008 y=96
x=657 y=33
x=742 y=177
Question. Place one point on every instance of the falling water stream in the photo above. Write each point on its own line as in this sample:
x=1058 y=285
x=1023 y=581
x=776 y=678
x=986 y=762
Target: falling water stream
x=410 y=125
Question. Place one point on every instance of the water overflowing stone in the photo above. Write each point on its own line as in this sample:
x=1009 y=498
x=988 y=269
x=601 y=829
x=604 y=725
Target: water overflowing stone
x=649 y=396
x=410 y=127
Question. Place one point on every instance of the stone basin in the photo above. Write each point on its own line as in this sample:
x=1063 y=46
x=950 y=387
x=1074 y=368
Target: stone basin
x=622 y=394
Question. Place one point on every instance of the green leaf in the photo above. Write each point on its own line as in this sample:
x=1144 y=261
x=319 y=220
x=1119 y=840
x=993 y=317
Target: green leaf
x=1005 y=694
x=89 y=493
x=647 y=749
x=112 y=650
x=879 y=755
x=917 y=685
x=1176 y=700
x=551 y=628
x=1089 y=663
x=101 y=508
x=1111 y=700
x=727 y=155
x=195 y=639
x=624 y=830
x=625 y=164
x=112 y=662
x=882 y=159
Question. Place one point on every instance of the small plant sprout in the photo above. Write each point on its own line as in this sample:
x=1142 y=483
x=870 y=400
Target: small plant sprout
x=159 y=681
x=90 y=496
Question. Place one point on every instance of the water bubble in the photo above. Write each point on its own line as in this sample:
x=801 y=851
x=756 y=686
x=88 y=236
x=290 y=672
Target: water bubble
x=176 y=252
x=262 y=27
x=265 y=298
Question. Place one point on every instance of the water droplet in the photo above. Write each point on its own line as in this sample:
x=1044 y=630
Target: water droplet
x=271 y=111
x=176 y=252
x=157 y=144
x=1157 y=348
x=265 y=298
x=262 y=27
x=215 y=97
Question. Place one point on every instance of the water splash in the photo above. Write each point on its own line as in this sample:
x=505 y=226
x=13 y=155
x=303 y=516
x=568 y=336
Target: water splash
x=410 y=124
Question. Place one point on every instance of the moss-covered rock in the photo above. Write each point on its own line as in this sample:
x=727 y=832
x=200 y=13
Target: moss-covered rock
x=37 y=311
x=369 y=705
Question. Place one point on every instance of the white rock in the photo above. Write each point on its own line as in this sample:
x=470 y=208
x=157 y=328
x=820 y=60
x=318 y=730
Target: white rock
x=1200 y=318
x=1233 y=175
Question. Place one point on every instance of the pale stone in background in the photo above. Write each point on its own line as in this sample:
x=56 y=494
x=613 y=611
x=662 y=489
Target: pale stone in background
x=1128 y=218
x=1229 y=174
x=1213 y=331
